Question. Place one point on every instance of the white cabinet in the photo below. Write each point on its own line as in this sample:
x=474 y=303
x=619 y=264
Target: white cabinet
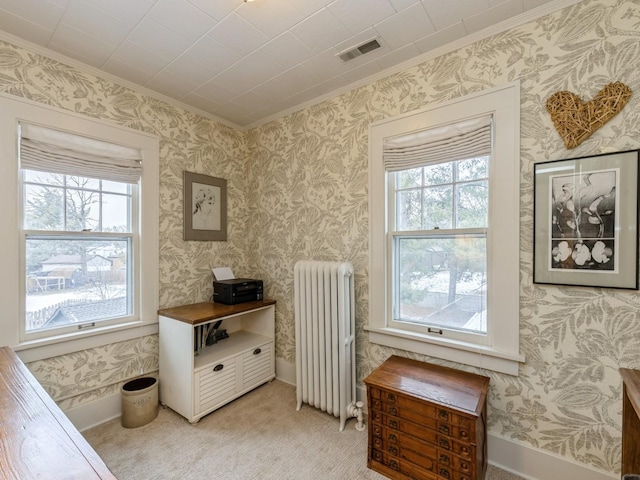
x=196 y=378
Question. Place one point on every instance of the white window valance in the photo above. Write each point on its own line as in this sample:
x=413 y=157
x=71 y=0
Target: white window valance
x=55 y=151
x=457 y=141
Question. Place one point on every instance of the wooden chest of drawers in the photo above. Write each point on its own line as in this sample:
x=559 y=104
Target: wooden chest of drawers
x=426 y=421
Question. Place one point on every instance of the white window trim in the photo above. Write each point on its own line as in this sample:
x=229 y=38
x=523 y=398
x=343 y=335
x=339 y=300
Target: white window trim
x=14 y=110
x=502 y=354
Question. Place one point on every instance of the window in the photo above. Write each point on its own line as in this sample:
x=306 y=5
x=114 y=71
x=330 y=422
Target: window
x=444 y=236
x=87 y=197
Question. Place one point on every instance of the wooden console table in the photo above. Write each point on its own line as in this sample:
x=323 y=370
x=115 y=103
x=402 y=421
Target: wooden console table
x=630 y=421
x=36 y=439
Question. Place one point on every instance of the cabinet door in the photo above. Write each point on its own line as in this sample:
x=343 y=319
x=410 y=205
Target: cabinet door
x=215 y=384
x=257 y=366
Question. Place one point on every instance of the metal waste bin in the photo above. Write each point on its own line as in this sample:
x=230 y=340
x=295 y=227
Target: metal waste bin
x=139 y=401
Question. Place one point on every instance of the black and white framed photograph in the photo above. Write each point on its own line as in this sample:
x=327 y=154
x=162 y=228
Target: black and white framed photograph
x=205 y=207
x=586 y=221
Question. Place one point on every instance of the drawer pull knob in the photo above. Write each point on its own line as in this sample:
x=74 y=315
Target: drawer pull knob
x=444 y=429
x=393 y=450
x=444 y=459
x=463 y=434
x=393 y=424
x=393 y=438
x=464 y=465
x=394 y=465
x=443 y=414
x=444 y=473
x=218 y=367
x=257 y=351
x=393 y=411
x=444 y=443
x=464 y=450
x=391 y=397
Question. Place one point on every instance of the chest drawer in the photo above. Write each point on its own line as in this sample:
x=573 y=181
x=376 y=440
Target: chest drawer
x=257 y=365
x=215 y=384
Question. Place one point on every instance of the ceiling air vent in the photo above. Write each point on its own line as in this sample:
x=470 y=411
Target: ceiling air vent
x=367 y=47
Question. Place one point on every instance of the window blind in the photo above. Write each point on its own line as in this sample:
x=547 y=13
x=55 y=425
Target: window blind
x=458 y=141
x=55 y=151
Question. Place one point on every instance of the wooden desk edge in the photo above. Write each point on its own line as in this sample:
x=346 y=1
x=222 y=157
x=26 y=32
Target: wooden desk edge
x=8 y=358
x=631 y=379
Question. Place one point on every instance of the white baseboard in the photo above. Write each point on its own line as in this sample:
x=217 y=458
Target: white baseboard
x=286 y=371
x=535 y=464
x=94 y=413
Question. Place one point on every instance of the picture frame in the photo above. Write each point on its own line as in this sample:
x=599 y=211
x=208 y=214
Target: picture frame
x=586 y=221
x=205 y=207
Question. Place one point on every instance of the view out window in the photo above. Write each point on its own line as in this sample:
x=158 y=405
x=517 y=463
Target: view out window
x=79 y=232
x=439 y=245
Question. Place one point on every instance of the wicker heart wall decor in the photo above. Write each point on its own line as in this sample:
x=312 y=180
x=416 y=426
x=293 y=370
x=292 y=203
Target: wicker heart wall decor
x=575 y=120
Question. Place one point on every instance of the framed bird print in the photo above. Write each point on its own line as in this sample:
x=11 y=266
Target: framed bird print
x=585 y=221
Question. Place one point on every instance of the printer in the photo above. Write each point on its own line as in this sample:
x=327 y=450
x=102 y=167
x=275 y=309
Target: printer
x=237 y=290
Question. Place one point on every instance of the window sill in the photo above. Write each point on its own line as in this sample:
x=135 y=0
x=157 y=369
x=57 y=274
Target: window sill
x=454 y=351
x=40 y=349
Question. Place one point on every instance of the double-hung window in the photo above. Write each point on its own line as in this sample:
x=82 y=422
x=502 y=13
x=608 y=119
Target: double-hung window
x=444 y=206
x=83 y=237
x=80 y=231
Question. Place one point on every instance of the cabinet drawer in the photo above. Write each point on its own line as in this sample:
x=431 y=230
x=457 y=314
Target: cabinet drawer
x=391 y=463
x=214 y=384
x=257 y=365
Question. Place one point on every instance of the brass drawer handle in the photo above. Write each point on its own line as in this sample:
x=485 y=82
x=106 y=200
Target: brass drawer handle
x=443 y=414
x=463 y=434
x=393 y=450
x=393 y=424
x=393 y=464
x=393 y=411
x=464 y=450
x=444 y=459
x=393 y=438
x=444 y=473
x=391 y=397
x=464 y=465
x=444 y=429
x=444 y=443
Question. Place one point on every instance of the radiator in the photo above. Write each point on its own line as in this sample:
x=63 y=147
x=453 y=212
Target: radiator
x=325 y=334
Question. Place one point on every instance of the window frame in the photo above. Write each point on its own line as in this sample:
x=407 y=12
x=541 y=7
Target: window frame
x=501 y=350
x=12 y=293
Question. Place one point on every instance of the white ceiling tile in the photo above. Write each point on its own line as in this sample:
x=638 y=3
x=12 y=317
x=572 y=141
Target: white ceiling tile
x=358 y=15
x=134 y=55
x=214 y=92
x=405 y=27
x=181 y=17
x=321 y=31
x=126 y=71
x=159 y=39
x=400 y=5
x=298 y=78
x=252 y=69
x=217 y=9
x=128 y=11
x=443 y=13
x=326 y=64
x=188 y=67
x=79 y=45
x=200 y=102
x=213 y=54
x=251 y=101
x=362 y=71
x=493 y=15
x=171 y=84
x=22 y=28
x=309 y=7
x=271 y=89
x=357 y=40
x=271 y=17
x=287 y=50
x=238 y=35
x=441 y=37
x=88 y=19
x=398 y=56
x=45 y=14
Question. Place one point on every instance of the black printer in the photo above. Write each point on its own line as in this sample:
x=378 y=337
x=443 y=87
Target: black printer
x=237 y=290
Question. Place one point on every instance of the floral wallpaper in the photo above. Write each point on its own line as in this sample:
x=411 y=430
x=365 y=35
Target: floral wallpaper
x=298 y=189
x=309 y=200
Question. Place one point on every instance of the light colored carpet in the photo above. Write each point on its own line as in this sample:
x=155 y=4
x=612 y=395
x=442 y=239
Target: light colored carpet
x=258 y=436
